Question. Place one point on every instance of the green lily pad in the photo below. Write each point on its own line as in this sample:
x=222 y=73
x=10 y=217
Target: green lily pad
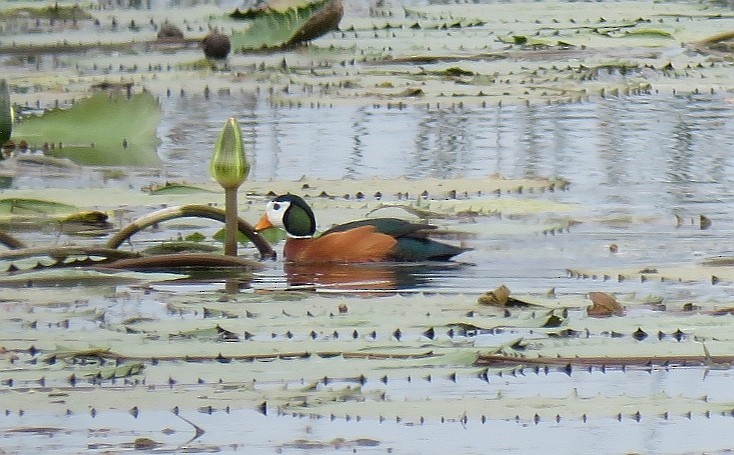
x=177 y=188
x=21 y=206
x=56 y=12
x=648 y=32
x=122 y=371
x=285 y=25
x=106 y=129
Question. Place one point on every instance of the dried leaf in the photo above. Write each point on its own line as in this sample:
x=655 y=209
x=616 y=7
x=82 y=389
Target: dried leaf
x=496 y=297
x=604 y=305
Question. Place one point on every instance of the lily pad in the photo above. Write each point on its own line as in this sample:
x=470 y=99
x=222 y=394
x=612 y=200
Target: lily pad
x=106 y=129
x=56 y=12
x=289 y=23
x=23 y=206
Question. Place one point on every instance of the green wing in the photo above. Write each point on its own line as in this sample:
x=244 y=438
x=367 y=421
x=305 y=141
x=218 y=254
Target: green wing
x=413 y=242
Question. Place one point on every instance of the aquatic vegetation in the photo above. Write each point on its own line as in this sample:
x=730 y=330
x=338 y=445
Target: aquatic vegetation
x=125 y=328
x=6 y=112
x=105 y=129
x=286 y=23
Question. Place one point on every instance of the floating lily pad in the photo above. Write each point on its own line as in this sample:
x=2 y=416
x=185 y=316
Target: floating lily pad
x=22 y=206
x=109 y=129
x=56 y=12
x=287 y=23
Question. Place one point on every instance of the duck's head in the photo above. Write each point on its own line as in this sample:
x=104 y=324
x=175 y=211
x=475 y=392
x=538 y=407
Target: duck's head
x=291 y=213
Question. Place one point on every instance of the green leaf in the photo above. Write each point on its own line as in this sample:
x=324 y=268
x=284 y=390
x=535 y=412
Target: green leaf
x=56 y=12
x=106 y=129
x=288 y=25
x=195 y=237
x=121 y=371
x=524 y=40
x=648 y=32
x=80 y=276
x=177 y=188
x=21 y=206
x=188 y=246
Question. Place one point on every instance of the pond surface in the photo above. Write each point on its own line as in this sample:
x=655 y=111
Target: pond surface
x=642 y=169
x=337 y=361
x=635 y=165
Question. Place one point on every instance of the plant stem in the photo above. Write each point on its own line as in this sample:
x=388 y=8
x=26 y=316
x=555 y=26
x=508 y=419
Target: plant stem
x=230 y=209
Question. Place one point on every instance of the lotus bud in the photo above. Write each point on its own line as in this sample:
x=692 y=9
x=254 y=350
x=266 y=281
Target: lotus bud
x=229 y=166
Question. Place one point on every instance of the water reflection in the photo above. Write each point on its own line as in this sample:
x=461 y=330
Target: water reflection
x=370 y=277
x=666 y=143
x=443 y=142
x=650 y=157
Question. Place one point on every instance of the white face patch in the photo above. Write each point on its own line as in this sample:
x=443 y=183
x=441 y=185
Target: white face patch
x=275 y=210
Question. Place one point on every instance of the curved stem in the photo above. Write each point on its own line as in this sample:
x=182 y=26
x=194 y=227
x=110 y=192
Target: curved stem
x=179 y=260
x=62 y=252
x=10 y=241
x=717 y=38
x=183 y=211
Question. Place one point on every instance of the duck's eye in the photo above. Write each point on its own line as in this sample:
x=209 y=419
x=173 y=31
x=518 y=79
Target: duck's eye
x=276 y=206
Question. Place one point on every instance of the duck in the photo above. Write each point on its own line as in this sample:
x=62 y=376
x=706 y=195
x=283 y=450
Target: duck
x=367 y=240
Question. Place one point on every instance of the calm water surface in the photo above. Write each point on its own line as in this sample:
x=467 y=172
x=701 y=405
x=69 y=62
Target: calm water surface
x=634 y=164
x=645 y=159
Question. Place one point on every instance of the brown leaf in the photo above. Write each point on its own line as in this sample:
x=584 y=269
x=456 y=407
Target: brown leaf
x=705 y=222
x=325 y=20
x=603 y=305
x=497 y=297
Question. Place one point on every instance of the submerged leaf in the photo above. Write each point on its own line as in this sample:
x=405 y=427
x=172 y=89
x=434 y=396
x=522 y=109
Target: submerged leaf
x=122 y=371
x=176 y=188
x=180 y=247
x=55 y=12
x=216 y=333
x=22 y=206
x=648 y=32
x=77 y=276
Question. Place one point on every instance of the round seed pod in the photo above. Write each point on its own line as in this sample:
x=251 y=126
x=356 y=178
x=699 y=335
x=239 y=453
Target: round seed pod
x=216 y=45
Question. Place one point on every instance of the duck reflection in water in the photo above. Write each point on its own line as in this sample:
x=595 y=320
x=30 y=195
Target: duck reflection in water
x=371 y=277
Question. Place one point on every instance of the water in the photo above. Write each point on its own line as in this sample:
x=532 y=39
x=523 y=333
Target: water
x=633 y=163
x=645 y=159
x=642 y=169
x=608 y=143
